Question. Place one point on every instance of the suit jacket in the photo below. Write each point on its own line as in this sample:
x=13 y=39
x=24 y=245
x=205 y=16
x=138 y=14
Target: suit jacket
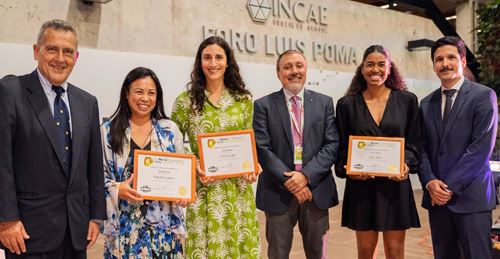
x=35 y=189
x=273 y=135
x=458 y=154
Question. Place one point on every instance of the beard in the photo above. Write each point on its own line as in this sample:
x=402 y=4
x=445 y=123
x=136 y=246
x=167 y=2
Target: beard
x=295 y=88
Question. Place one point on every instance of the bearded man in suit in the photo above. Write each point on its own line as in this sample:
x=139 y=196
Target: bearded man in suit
x=297 y=144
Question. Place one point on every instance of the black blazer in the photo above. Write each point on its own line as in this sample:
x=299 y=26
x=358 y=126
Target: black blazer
x=34 y=186
x=273 y=135
x=459 y=153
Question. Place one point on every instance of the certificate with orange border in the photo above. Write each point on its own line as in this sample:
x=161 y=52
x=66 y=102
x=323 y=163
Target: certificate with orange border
x=375 y=156
x=164 y=176
x=227 y=154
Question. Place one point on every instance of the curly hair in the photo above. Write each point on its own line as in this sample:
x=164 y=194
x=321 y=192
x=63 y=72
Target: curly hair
x=232 y=78
x=394 y=79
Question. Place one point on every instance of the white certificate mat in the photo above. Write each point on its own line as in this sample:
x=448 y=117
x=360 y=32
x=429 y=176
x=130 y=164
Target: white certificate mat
x=227 y=154
x=164 y=176
x=377 y=156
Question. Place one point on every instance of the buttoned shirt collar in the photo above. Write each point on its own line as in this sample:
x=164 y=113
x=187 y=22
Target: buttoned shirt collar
x=456 y=86
x=47 y=86
x=51 y=95
x=289 y=94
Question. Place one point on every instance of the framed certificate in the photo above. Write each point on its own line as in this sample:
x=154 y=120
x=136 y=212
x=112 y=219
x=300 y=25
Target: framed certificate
x=376 y=156
x=227 y=154
x=164 y=176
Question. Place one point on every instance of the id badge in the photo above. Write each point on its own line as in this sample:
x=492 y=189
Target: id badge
x=297 y=155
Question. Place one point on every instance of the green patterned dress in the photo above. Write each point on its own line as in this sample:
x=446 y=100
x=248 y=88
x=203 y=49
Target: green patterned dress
x=222 y=222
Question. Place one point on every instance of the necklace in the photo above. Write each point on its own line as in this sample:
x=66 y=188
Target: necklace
x=139 y=135
x=148 y=137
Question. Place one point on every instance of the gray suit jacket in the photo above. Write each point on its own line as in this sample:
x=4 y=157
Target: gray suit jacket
x=273 y=135
x=35 y=189
x=459 y=153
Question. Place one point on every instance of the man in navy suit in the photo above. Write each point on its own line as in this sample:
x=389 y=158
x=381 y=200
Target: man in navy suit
x=297 y=144
x=51 y=167
x=459 y=122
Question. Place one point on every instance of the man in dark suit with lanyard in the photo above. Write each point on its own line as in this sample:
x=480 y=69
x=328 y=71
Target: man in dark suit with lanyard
x=459 y=122
x=51 y=166
x=297 y=144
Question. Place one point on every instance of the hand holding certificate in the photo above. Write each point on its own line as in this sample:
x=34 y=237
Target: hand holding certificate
x=375 y=156
x=227 y=154
x=164 y=176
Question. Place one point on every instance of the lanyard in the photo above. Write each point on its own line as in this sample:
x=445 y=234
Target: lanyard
x=295 y=123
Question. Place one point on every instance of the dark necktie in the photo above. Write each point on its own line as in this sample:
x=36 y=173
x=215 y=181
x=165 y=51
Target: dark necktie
x=447 y=105
x=61 y=117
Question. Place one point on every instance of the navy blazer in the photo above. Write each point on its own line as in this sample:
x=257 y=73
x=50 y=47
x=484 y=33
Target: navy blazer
x=273 y=135
x=35 y=189
x=459 y=153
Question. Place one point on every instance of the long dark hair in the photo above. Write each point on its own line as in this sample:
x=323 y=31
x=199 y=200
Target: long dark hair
x=394 y=79
x=232 y=78
x=120 y=118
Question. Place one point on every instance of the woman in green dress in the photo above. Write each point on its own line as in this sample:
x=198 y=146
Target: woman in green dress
x=222 y=222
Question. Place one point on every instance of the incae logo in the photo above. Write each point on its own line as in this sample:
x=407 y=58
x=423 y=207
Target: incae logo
x=259 y=9
x=293 y=10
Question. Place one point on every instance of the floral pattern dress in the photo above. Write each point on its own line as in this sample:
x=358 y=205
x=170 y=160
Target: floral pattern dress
x=222 y=222
x=152 y=229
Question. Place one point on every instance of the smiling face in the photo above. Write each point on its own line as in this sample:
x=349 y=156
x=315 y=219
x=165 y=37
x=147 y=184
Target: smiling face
x=448 y=65
x=56 y=55
x=141 y=97
x=376 y=69
x=292 y=72
x=213 y=62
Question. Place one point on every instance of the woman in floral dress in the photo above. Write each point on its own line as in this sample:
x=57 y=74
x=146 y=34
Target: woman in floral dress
x=222 y=222
x=137 y=228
